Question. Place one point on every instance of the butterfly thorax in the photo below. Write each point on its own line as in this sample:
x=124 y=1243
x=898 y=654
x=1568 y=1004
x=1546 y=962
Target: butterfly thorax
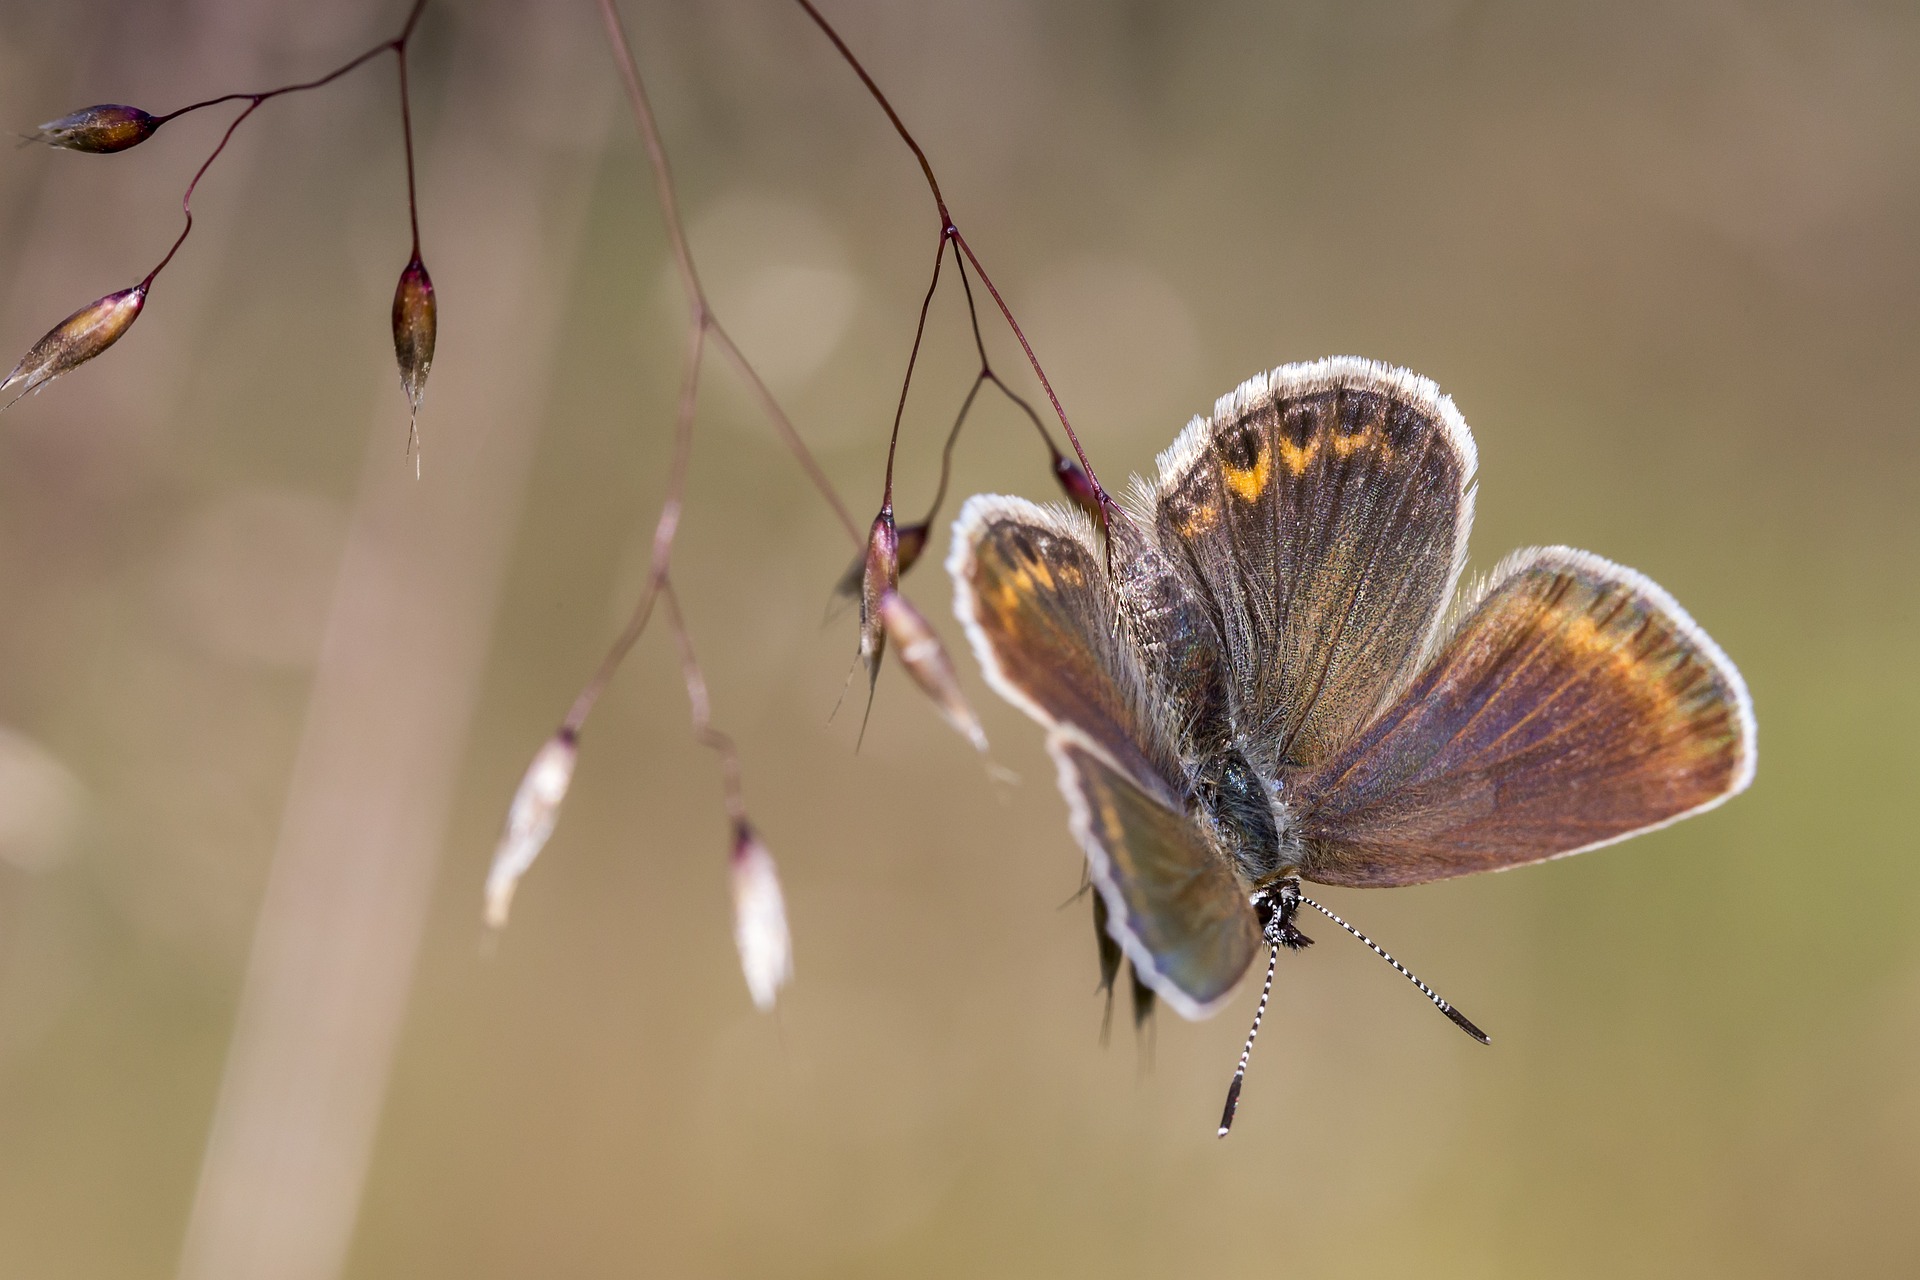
x=1247 y=819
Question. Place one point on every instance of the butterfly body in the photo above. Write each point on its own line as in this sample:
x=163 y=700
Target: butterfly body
x=1263 y=675
x=1248 y=818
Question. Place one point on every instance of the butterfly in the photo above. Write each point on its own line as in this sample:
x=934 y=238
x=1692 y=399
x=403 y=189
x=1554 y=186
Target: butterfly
x=1263 y=674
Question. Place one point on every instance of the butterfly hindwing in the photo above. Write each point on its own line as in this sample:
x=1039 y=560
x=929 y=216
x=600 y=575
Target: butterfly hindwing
x=1322 y=513
x=1574 y=705
x=1172 y=902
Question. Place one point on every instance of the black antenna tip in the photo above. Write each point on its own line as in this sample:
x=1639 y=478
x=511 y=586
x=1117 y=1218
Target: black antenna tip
x=1233 y=1104
x=1460 y=1021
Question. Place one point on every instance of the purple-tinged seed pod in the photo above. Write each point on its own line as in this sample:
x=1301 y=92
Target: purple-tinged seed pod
x=880 y=576
x=413 y=331
x=911 y=540
x=925 y=659
x=1077 y=485
x=75 y=340
x=101 y=130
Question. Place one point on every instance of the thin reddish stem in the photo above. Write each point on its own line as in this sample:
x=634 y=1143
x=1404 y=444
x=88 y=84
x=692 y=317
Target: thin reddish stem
x=782 y=425
x=657 y=157
x=703 y=327
x=986 y=366
x=664 y=529
x=946 y=450
x=186 y=201
x=985 y=376
x=700 y=708
x=397 y=45
x=899 y=126
x=950 y=228
x=1106 y=502
x=700 y=310
x=913 y=356
x=406 y=133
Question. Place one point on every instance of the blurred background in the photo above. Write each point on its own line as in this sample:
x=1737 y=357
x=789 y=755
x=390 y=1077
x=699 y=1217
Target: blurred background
x=263 y=696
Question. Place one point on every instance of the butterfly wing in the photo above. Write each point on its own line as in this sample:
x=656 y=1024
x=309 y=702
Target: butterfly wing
x=1173 y=904
x=1576 y=704
x=1031 y=588
x=1322 y=514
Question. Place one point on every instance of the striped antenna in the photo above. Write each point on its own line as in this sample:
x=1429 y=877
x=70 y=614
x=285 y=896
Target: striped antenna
x=1240 y=1072
x=1459 y=1018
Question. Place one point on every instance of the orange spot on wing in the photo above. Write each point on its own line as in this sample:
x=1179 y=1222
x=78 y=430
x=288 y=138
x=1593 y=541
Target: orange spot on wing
x=1370 y=438
x=1297 y=456
x=1251 y=482
x=1609 y=648
x=1202 y=517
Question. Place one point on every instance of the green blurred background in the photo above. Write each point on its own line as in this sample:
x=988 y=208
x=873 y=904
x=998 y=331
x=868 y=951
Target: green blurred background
x=1666 y=260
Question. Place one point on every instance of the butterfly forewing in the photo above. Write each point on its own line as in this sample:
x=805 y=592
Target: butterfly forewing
x=1031 y=587
x=1574 y=705
x=1322 y=513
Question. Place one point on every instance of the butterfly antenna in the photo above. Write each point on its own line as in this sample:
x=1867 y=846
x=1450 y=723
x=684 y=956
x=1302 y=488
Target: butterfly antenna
x=1240 y=1072
x=1459 y=1018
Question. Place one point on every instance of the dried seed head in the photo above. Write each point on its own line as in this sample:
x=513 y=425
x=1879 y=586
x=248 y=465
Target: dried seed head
x=925 y=659
x=413 y=329
x=911 y=541
x=881 y=575
x=759 y=919
x=1077 y=485
x=102 y=129
x=530 y=819
x=76 y=340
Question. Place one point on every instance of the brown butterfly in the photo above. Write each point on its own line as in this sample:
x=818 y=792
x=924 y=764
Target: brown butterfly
x=1263 y=676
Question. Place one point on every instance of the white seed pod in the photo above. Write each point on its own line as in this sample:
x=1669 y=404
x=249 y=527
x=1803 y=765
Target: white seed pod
x=759 y=919
x=530 y=821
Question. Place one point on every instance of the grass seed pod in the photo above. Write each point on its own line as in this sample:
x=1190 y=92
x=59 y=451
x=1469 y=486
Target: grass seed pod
x=879 y=577
x=413 y=331
x=925 y=659
x=75 y=340
x=530 y=821
x=1077 y=485
x=759 y=919
x=101 y=130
